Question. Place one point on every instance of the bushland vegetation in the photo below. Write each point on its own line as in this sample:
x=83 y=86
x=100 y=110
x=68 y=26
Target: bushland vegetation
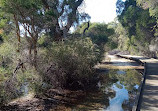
x=38 y=52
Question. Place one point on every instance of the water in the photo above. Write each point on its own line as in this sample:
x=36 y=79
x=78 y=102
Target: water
x=117 y=89
x=117 y=101
x=125 y=88
x=117 y=92
x=24 y=89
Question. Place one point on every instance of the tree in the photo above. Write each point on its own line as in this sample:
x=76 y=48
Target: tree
x=138 y=24
x=152 y=5
x=120 y=35
x=27 y=14
x=65 y=13
x=40 y=16
x=98 y=32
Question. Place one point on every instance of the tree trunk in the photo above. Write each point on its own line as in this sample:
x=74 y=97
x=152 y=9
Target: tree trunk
x=35 y=57
x=56 y=32
x=34 y=39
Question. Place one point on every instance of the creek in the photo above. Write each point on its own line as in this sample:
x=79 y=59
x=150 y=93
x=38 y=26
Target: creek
x=117 y=88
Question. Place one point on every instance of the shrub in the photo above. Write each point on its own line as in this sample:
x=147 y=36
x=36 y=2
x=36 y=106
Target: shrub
x=11 y=86
x=72 y=63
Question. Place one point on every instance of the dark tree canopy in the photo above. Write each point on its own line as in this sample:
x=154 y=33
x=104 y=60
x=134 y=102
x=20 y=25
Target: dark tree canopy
x=52 y=17
x=138 y=24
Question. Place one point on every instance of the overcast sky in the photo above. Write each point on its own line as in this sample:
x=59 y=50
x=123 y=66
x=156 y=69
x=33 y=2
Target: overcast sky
x=101 y=10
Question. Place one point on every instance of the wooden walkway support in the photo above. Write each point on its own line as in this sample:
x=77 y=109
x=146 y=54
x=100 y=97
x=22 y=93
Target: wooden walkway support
x=148 y=97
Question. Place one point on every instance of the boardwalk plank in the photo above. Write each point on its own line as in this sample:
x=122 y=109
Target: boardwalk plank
x=150 y=92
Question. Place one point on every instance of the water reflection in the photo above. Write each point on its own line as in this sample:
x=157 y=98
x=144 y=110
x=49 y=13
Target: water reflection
x=129 y=79
x=116 y=63
x=126 y=87
x=121 y=72
x=116 y=102
x=117 y=91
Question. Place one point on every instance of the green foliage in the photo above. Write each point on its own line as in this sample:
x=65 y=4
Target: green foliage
x=75 y=59
x=128 y=17
x=113 y=45
x=11 y=86
x=152 y=5
x=3 y=23
x=10 y=5
x=101 y=34
x=6 y=50
x=119 y=39
x=98 y=32
x=138 y=24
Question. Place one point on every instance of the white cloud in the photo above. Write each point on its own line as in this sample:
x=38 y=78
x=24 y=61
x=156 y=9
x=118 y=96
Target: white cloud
x=101 y=10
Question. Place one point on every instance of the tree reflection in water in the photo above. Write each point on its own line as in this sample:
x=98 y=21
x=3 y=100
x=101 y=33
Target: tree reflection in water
x=117 y=91
x=125 y=84
x=130 y=79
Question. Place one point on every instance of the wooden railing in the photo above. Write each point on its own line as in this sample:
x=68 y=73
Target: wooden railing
x=139 y=97
x=131 y=58
x=138 y=103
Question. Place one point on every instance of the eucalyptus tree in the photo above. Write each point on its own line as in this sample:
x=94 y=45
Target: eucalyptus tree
x=26 y=14
x=138 y=23
x=152 y=6
x=54 y=17
x=66 y=13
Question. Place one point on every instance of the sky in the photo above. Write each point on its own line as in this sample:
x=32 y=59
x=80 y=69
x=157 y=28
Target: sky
x=101 y=10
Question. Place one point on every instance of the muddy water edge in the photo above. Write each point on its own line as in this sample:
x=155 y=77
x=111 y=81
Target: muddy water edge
x=116 y=91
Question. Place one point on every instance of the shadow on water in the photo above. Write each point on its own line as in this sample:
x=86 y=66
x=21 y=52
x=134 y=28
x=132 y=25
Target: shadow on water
x=122 y=63
x=125 y=86
x=117 y=90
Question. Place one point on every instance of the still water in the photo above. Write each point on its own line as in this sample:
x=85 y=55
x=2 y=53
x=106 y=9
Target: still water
x=117 y=92
x=125 y=89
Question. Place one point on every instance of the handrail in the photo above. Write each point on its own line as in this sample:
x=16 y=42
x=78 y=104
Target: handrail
x=138 y=103
x=131 y=58
x=140 y=95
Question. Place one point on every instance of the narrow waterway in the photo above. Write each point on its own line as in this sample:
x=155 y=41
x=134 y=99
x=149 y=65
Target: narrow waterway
x=126 y=85
x=116 y=91
x=117 y=88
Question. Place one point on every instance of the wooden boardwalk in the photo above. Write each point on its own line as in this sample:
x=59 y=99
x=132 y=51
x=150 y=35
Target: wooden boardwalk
x=148 y=99
x=114 y=62
x=150 y=92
